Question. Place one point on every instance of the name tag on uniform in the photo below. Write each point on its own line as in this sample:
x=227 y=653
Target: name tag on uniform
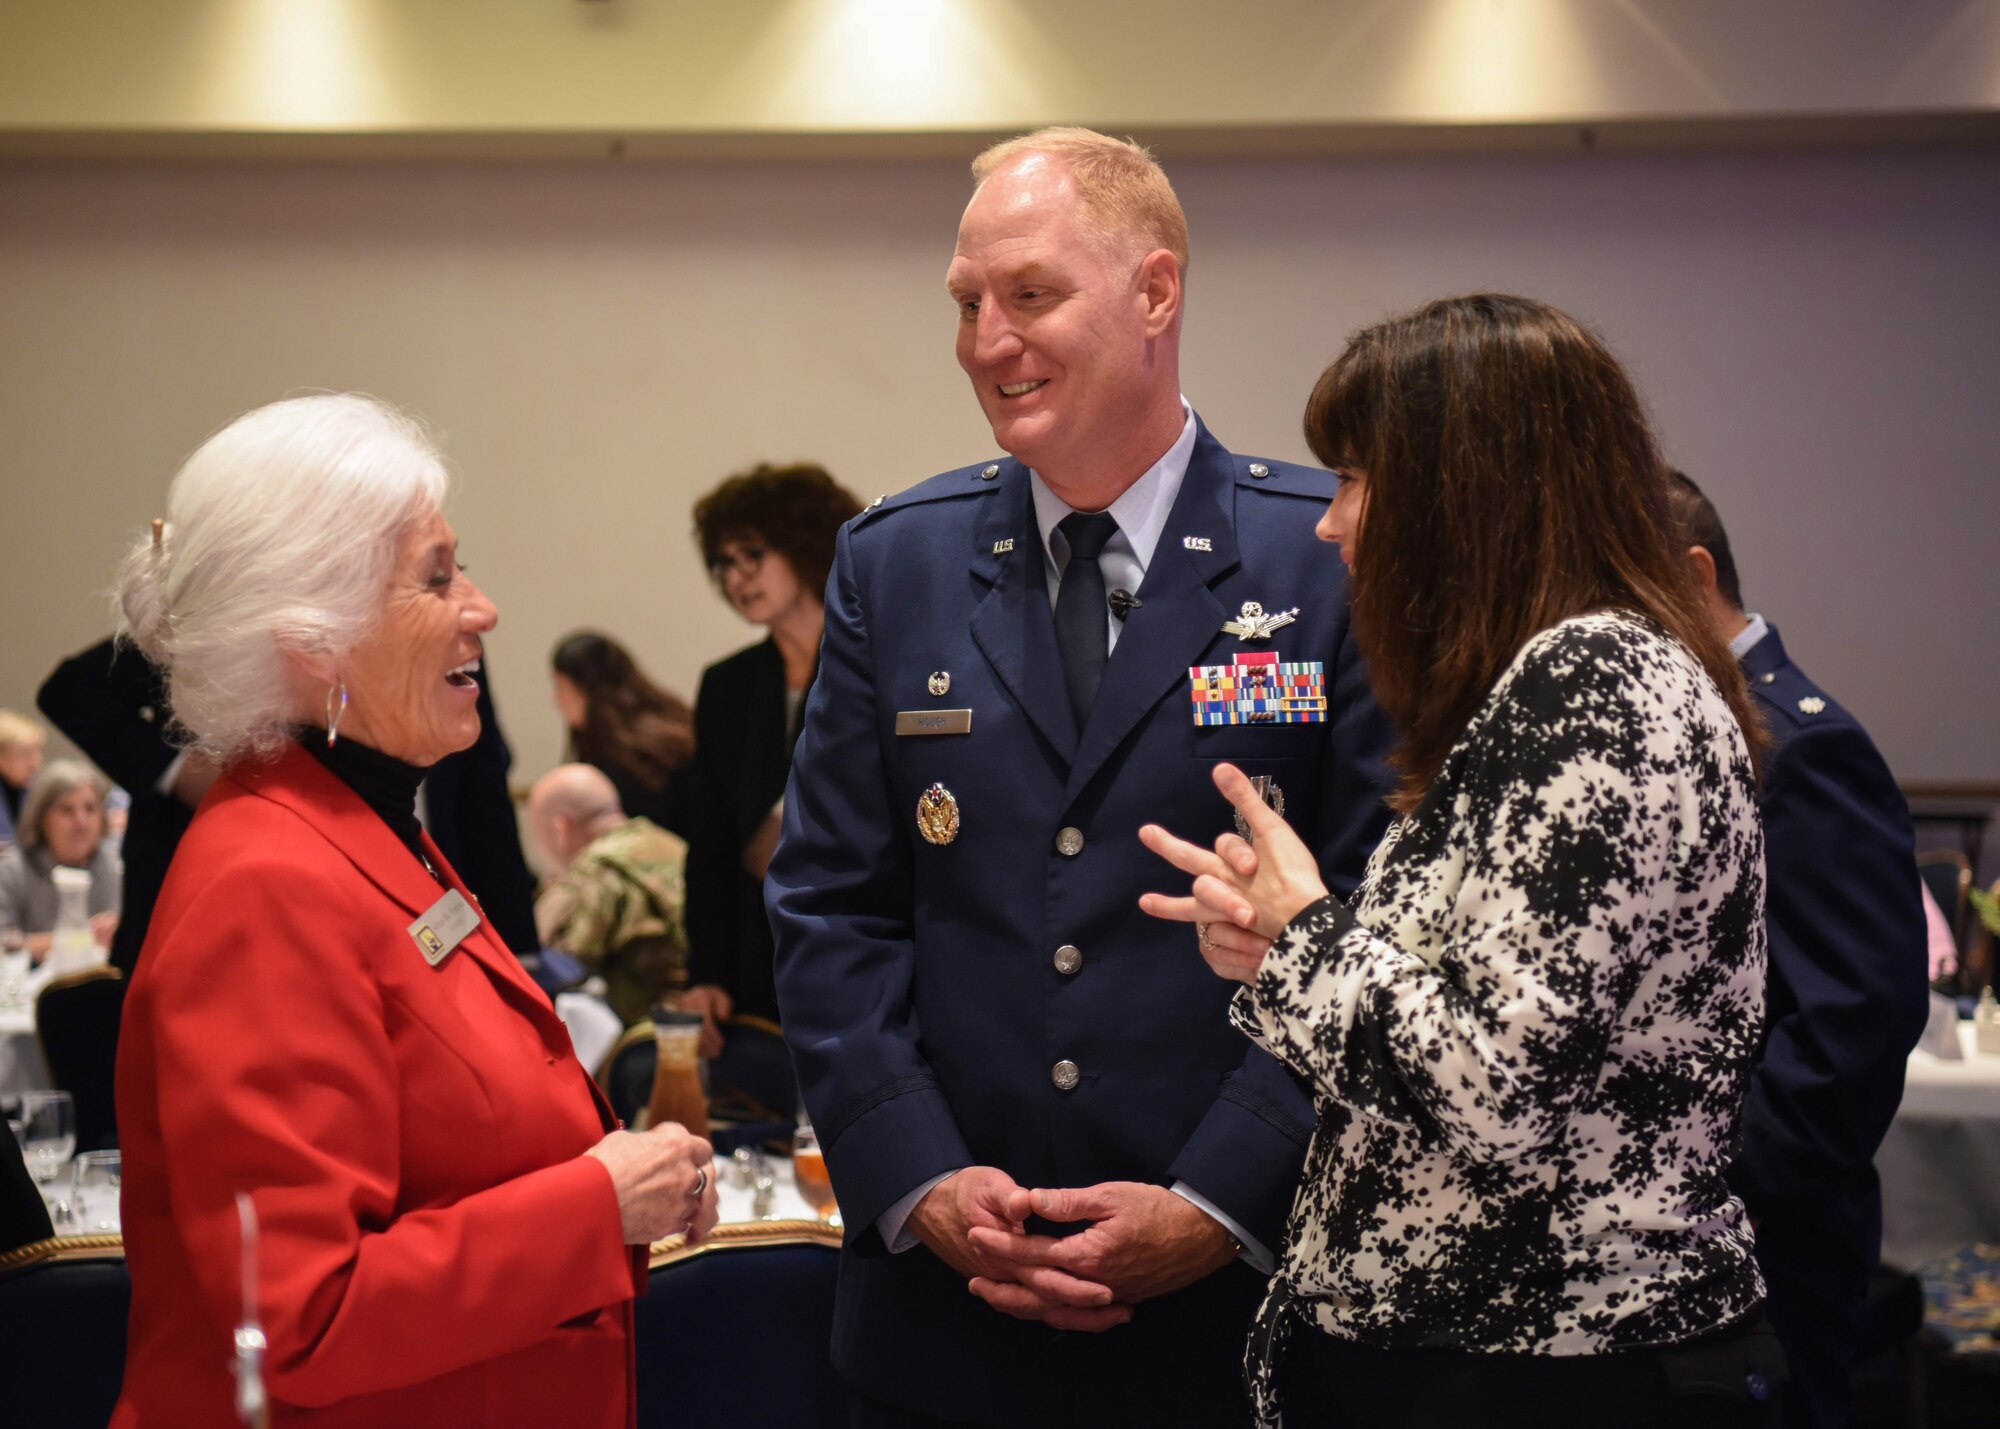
x=1259 y=689
x=443 y=926
x=934 y=721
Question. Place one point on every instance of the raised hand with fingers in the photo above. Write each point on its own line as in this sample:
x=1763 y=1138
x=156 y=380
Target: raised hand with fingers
x=1244 y=894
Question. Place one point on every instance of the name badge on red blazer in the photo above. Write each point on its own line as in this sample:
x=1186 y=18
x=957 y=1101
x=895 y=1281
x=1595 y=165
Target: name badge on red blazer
x=443 y=926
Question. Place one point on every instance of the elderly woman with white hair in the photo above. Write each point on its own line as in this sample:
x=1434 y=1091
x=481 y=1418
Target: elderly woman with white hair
x=321 y=1019
x=62 y=826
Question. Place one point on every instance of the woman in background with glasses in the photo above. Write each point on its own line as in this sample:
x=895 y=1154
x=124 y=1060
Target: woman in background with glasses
x=767 y=537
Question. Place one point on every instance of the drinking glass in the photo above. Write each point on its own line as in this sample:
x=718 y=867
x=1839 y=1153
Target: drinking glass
x=48 y=1132
x=94 y=1193
x=809 y=1172
x=16 y=964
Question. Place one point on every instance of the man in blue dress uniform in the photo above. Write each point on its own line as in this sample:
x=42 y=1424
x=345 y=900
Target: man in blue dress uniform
x=1847 y=994
x=1064 y=1176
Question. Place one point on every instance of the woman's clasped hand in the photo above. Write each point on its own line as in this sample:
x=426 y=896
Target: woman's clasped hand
x=664 y=1182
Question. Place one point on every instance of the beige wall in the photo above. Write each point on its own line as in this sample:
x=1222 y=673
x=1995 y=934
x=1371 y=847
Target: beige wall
x=600 y=343
x=644 y=68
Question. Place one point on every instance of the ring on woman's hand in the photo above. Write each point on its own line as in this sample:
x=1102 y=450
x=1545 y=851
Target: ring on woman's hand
x=1201 y=932
x=701 y=1183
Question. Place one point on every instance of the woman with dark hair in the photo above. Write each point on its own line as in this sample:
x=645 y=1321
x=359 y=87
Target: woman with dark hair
x=640 y=735
x=767 y=537
x=1530 y=1031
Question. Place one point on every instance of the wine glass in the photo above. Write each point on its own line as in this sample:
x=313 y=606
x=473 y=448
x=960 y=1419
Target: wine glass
x=95 y=1191
x=48 y=1132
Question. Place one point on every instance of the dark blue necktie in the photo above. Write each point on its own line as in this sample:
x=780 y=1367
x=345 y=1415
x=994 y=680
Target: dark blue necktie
x=1082 y=629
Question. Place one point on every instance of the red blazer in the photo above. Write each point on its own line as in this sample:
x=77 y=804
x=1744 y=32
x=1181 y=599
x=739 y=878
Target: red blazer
x=435 y=1247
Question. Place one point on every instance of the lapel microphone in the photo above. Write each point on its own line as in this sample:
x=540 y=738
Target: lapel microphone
x=1122 y=603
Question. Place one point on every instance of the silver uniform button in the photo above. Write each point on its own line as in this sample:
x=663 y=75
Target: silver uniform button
x=990 y=472
x=1259 y=470
x=1069 y=841
x=1065 y=1075
x=1068 y=959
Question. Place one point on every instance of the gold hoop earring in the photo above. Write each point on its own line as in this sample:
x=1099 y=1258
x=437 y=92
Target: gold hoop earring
x=335 y=692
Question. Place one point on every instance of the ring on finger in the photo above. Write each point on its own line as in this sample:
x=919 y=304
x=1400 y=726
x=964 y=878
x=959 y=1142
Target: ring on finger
x=1201 y=932
x=701 y=1183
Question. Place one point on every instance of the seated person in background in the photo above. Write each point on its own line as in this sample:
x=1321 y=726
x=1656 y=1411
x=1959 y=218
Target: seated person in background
x=112 y=704
x=619 y=891
x=1943 y=945
x=21 y=741
x=639 y=733
x=1847 y=992
x=62 y=822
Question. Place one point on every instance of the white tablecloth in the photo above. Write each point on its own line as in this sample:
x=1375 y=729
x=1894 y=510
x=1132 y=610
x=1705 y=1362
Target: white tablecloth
x=1940 y=1162
x=21 y=1065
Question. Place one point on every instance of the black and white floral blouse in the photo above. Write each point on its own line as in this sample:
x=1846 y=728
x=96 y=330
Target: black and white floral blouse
x=1530 y=1033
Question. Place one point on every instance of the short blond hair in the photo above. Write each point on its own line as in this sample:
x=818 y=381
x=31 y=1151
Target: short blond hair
x=1123 y=189
x=16 y=729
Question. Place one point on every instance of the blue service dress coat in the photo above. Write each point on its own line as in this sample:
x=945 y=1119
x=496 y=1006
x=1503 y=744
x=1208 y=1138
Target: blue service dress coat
x=1847 y=1000
x=934 y=993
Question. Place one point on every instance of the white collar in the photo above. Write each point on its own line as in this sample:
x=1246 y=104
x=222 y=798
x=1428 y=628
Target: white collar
x=1748 y=636
x=1141 y=510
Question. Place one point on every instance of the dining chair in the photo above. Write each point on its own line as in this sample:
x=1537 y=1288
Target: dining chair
x=736 y=1329
x=63 y=1307
x=77 y=1020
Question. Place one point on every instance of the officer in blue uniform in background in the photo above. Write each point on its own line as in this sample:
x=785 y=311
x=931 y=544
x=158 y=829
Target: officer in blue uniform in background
x=1847 y=995
x=1064 y=1176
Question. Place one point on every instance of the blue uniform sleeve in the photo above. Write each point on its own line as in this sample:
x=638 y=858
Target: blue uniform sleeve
x=1848 y=970
x=840 y=894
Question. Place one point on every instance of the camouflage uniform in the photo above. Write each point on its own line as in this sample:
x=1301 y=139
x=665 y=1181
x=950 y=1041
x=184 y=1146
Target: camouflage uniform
x=618 y=909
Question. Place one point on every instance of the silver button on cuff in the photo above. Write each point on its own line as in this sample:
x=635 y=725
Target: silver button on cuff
x=1069 y=841
x=1065 y=1075
x=1068 y=959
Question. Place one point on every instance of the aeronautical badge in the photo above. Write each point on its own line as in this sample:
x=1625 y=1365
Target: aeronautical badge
x=1812 y=704
x=937 y=815
x=1252 y=624
x=1267 y=790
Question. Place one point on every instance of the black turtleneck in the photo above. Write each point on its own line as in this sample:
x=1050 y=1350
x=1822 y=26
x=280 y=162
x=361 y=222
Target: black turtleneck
x=386 y=784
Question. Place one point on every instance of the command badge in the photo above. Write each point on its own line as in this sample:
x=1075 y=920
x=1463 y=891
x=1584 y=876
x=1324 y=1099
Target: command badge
x=1252 y=623
x=937 y=815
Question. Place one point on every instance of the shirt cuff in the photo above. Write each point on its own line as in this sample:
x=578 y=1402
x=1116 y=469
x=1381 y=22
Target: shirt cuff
x=892 y=1224
x=1254 y=1254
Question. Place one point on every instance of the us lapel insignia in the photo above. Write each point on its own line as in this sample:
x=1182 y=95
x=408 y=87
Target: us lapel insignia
x=1001 y=548
x=937 y=815
x=1197 y=543
x=1252 y=624
x=1267 y=790
x=1811 y=704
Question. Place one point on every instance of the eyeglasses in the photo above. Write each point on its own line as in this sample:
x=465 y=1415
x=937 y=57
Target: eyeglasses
x=744 y=560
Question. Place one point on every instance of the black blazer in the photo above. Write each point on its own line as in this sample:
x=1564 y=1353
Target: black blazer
x=742 y=757
x=1848 y=995
x=470 y=816
x=112 y=704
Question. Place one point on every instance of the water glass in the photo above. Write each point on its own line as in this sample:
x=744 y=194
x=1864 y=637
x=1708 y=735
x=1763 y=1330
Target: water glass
x=94 y=1195
x=48 y=1132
